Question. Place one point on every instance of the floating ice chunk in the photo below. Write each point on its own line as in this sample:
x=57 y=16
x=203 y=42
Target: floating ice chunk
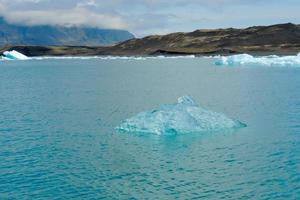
x=183 y=117
x=14 y=55
x=236 y=59
x=245 y=59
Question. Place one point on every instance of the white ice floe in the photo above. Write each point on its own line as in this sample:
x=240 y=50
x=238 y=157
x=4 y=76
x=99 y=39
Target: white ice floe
x=246 y=59
x=14 y=55
x=183 y=117
x=112 y=57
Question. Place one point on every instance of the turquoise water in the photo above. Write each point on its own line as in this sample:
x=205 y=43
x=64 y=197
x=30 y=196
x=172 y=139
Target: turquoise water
x=57 y=136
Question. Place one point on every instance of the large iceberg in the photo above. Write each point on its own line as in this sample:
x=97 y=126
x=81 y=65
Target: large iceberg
x=246 y=59
x=14 y=55
x=183 y=117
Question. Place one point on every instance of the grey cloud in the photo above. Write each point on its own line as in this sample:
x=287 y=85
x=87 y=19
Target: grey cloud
x=138 y=16
x=37 y=12
x=76 y=16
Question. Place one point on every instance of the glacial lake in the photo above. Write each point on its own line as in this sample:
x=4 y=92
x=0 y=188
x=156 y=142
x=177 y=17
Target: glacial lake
x=58 y=138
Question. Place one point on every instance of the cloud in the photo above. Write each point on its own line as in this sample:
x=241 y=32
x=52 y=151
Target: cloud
x=144 y=17
x=76 y=16
x=36 y=12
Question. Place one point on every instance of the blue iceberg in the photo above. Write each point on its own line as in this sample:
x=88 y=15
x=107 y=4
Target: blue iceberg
x=14 y=55
x=246 y=59
x=183 y=117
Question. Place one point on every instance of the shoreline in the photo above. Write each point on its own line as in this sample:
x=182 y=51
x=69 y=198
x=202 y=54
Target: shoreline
x=279 y=39
x=87 y=51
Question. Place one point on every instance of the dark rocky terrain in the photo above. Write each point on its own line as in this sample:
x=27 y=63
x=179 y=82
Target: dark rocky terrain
x=57 y=35
x=275 y=39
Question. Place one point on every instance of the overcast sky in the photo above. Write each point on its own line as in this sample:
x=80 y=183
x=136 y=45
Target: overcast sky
x=143 y=17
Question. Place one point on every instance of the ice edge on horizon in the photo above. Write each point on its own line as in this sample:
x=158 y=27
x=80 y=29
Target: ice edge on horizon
x=137 y=58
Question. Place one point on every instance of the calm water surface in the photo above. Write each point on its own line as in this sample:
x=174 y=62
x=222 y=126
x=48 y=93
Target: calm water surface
x=57 y=138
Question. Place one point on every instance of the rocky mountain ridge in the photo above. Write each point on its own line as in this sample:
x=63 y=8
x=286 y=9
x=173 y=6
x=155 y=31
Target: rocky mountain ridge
x=275 y=39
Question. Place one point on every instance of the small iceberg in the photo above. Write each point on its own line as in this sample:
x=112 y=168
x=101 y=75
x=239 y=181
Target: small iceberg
x=14 y=55
x=246 y=59
x=183 y=117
